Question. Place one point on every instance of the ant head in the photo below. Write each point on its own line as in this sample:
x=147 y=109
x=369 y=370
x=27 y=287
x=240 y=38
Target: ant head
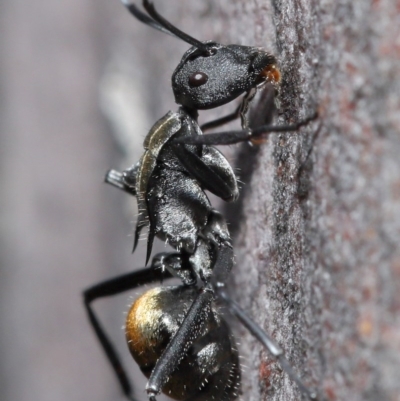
x=216 y=74
x=210 y=74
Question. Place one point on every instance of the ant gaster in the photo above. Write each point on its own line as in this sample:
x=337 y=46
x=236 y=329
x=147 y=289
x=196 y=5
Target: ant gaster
x=176 y=334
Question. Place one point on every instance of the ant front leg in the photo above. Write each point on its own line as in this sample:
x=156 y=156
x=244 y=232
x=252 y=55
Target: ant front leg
x=223 y=120
x=251 y=135
x=242 y=109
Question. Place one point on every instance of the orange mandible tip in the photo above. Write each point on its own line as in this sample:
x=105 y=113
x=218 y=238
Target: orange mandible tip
x=271 y=74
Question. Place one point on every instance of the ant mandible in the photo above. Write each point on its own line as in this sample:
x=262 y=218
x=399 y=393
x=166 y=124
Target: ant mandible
x=176 y=334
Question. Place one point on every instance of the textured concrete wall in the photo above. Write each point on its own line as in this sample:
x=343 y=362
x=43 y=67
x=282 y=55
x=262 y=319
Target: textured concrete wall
x=318 y=257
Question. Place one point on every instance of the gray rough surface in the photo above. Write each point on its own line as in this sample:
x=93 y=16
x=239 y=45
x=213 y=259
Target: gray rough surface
x=317 y=228
x=317 y=250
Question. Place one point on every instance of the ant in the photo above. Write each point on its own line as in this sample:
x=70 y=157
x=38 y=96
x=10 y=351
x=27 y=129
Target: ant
x=176 y=334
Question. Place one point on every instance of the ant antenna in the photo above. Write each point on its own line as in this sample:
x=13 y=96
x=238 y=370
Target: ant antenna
x=156 y=21
x=142 y=17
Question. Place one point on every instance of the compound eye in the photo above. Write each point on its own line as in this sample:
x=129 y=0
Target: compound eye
x=198 y=79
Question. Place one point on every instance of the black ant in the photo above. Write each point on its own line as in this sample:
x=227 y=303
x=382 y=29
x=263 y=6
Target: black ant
x=176 y=334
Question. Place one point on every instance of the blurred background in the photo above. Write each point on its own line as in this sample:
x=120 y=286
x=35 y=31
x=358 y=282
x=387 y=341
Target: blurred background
x=81 y=82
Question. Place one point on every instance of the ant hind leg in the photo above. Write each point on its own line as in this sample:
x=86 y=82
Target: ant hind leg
x=116 y=286
x=275 y=350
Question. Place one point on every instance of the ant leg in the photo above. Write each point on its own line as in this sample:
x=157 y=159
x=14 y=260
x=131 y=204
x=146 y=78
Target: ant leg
x=195 y=318
x=125 y=180
x=180 y=343
x=265 y=340
x=116 y=286
x=240 y=111
x=212 y=177
x=223 y=120
x=232 y=137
